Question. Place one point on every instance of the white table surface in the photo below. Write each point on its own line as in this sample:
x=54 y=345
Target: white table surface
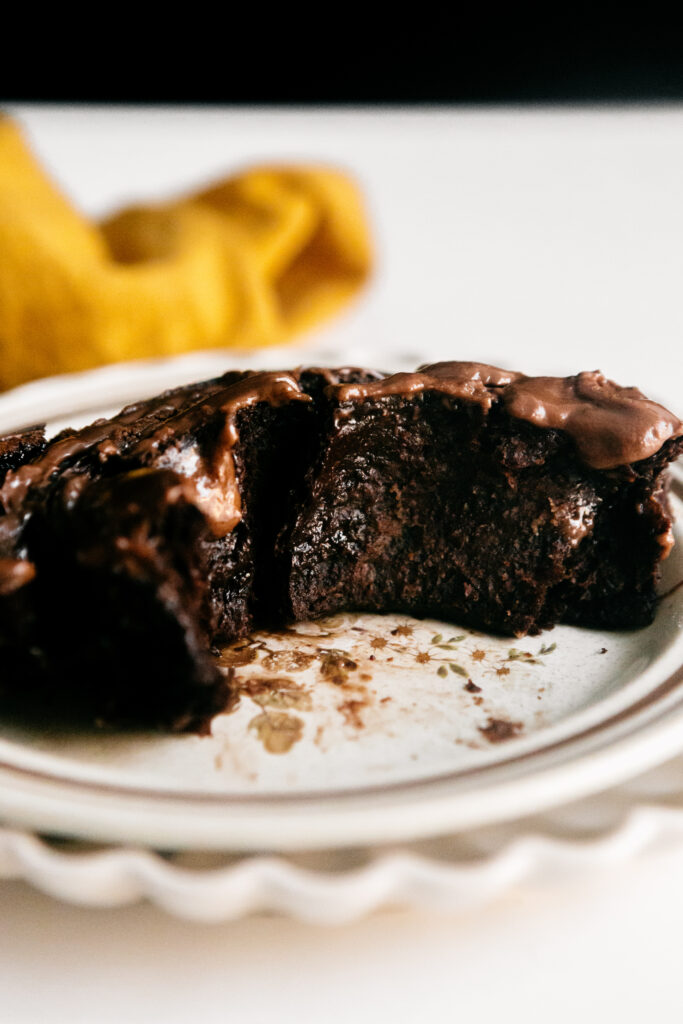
x=545 y=240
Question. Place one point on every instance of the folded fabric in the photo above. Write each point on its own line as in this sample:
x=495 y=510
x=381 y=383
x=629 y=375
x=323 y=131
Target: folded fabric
x=252 y=261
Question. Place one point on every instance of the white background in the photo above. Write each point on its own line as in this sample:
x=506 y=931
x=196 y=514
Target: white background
x=548 y=241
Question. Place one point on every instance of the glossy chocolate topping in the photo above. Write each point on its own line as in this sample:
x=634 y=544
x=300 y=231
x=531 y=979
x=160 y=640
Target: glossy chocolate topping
x=14 y=573
x=214 y=479
x=610 y=425
x=468 y=381
x=106 y=435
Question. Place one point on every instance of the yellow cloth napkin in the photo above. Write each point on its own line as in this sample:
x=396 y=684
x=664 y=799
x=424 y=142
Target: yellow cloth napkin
x=251 y=261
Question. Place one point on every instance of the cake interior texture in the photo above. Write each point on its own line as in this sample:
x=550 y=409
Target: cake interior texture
x=132 y=549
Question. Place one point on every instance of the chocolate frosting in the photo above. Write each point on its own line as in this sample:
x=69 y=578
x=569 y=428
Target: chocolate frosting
x=14 y=574
x=214 y=481
x=468 y=381
x=104 y=434
x=610 y=425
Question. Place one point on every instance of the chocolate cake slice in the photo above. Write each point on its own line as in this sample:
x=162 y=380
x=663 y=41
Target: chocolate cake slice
x=131 y=548
x=486 y=498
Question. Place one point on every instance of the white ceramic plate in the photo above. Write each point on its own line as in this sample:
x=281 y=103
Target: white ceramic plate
x=445 y=874
x=353 y=730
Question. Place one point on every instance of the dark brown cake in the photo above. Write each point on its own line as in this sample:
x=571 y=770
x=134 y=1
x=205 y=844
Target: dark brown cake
x=132 y=547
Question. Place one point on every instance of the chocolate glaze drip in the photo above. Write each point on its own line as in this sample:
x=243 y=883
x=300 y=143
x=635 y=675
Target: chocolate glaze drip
x=212 y=476
x=610 y=425
x=14 y=573
x=490 y=376
x=148 y=432
x=107 y=435
x=468 y=381
x=214 y=479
